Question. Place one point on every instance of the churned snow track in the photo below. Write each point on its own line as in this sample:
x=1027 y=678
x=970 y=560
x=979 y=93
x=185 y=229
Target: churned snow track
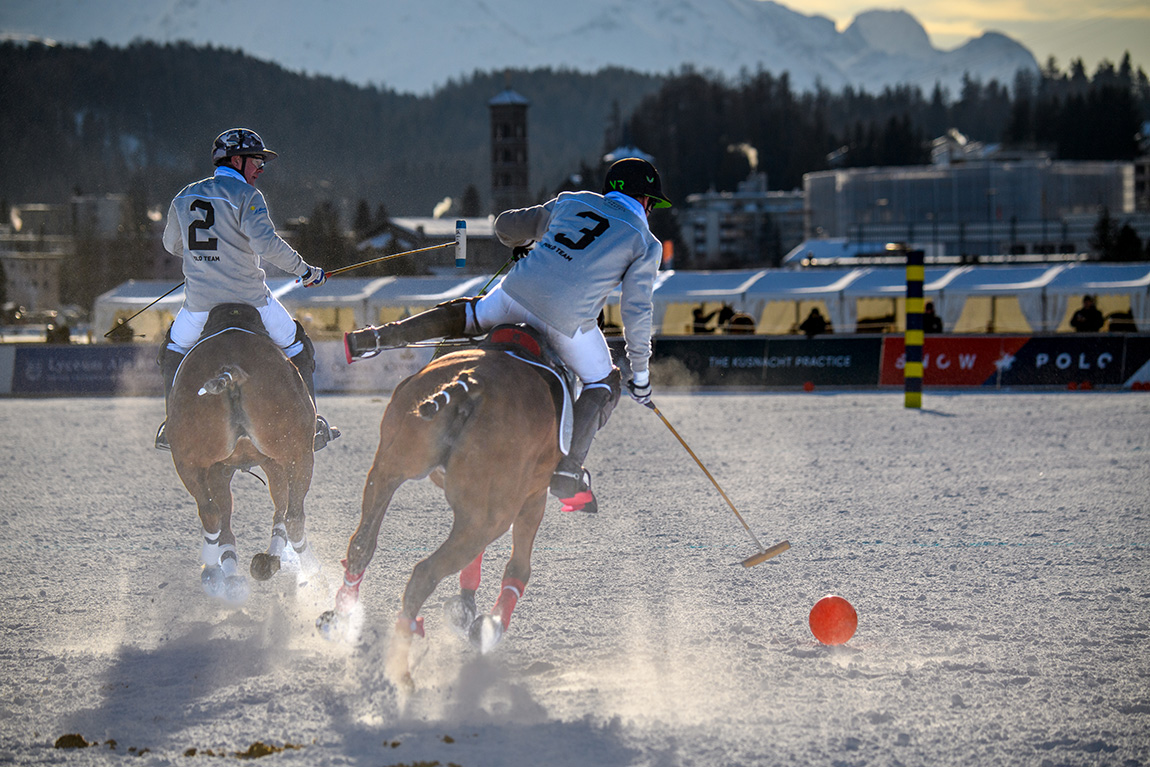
x=994 y=545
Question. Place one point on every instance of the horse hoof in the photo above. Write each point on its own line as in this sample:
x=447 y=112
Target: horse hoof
x=264 y=566
x=330 y=625
x=459 y=611
x=485 y=633
x=230 y=588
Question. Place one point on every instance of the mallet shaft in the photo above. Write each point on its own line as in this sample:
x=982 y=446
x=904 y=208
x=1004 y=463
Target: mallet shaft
x=342 y=269
x=764 y=554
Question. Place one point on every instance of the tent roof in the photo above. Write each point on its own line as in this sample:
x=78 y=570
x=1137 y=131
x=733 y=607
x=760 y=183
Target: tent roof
x=673 y=286
x=997 y=280
x=891 y=281
x=798 y=284
x=337 y=290
x=429 y=289
x=1101 y=278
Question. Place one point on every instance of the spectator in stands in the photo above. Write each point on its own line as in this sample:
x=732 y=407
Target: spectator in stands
x=699 y=320
x=814 y=324
x=725 y=315
x=931 y=322
x=1087 y=319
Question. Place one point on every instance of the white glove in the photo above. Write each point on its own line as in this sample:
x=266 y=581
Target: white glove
x=640 y=387
x=313 y=277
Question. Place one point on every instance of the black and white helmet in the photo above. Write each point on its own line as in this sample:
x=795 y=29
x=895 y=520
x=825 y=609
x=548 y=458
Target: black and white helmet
x=236 y=142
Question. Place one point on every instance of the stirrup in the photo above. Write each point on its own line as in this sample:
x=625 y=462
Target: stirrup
x=162 y=438
x=368 y=342
x=573 y=489
x=361 y=344
x=324 y=433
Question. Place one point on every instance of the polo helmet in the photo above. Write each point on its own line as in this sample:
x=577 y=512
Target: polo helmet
x=635 y=178
x=236 y=142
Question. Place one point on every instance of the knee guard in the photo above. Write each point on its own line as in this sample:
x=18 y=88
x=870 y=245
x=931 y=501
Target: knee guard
x=169 y=362
x=594 y=406
x=459 y=317
x=603 y=395
x=304 y=361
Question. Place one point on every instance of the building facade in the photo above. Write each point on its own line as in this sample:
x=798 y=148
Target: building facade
x=748 y=227
x=990 y=205
x=509 y=177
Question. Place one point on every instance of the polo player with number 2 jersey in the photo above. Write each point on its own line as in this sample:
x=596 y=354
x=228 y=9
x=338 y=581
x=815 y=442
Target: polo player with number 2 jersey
x=220 y=228
x=588 y=244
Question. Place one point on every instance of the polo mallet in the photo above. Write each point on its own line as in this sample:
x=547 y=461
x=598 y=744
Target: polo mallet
x=764 y=554
x=146 y=308
x=459 y=243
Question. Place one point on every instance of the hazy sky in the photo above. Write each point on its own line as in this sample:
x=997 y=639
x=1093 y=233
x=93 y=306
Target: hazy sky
x=1066 y=29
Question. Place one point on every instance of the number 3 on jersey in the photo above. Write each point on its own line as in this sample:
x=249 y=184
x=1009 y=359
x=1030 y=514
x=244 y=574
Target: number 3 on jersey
x=205 y=223
x=589 y=232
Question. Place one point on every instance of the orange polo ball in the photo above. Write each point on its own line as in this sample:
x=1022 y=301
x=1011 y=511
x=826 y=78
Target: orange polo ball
x=833 y=620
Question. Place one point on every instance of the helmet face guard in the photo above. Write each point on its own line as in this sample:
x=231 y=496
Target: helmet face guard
x=635 y=178
x=239 y=142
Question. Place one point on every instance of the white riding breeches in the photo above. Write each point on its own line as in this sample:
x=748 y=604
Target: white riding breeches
x=187 y=326
x=586 y=353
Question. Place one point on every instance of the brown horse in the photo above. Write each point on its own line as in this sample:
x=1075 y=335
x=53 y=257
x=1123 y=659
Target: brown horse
x=483 y=425
x=237 y=402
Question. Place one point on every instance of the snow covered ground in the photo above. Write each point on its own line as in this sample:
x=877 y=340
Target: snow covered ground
x=995 y=546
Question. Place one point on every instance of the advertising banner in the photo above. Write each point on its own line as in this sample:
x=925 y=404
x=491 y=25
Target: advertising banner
x=1054 y=360
x=102 y=369
x=953 y=360
x=762 y=362
x=1068 y=359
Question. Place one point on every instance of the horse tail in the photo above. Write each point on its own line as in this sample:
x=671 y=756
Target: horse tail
x=463 y=388
x=228 y=377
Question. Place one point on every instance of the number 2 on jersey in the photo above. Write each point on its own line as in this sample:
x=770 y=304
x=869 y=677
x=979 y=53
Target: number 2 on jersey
x=194 y=242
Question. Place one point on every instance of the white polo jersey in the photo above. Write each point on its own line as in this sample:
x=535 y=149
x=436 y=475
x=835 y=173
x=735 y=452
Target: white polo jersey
x=588 y=245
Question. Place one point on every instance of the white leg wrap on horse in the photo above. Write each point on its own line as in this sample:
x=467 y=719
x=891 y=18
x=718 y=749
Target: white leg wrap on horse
x=279 y=540
x=210 y=552
x=308 y=561
x=228 y=559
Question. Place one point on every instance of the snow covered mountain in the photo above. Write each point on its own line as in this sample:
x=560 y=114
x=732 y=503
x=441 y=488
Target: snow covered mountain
x=416 y=46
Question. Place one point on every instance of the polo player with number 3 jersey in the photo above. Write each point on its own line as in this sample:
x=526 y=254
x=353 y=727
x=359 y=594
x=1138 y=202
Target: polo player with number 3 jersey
x=220 y=228
x=588 y=244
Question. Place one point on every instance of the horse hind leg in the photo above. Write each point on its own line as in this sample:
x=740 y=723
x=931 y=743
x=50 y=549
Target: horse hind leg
x=460 y=610
x=488 y=630
x=265 y=564
x=219 y=577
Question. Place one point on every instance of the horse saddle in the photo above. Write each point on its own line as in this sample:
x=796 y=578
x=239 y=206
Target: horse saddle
x=233 y=316
x=525 y=344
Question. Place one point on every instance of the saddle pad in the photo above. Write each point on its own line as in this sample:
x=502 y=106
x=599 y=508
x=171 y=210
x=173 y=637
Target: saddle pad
x=566 y=417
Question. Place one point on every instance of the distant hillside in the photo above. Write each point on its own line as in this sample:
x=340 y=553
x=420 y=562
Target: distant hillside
x=105 y=119
x=416 y=47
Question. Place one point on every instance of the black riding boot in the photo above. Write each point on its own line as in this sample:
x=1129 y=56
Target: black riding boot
x=169 y=362
x=305 y=364
x=447 y=320
x=571 y=483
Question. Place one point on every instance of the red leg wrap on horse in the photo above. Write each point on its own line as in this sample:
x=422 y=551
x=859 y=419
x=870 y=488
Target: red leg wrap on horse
x=469 y=577
x=413 y=627
x=348 y=593
x=512 y=590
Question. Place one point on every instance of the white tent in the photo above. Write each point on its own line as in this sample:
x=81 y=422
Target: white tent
x=677 y=293
x=129 y=298
x=997 y=299
x=780 y=299
x=1115 y=287
x=876 y=299
x=339 y=305
x=403 y=296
